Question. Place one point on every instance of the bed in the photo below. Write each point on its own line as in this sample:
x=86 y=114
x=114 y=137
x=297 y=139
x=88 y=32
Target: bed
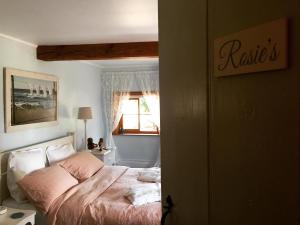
x=98 y=200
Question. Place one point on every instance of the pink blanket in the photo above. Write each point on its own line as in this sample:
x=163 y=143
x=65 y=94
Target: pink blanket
x=100 y=201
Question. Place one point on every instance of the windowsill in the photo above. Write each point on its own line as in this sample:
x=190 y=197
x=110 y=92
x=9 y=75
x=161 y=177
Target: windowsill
x=136 y=134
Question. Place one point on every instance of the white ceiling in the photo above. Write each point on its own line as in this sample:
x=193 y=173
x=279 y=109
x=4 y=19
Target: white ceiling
x=52 y=22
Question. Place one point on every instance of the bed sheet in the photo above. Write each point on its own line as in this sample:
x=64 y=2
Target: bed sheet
x=100 y=200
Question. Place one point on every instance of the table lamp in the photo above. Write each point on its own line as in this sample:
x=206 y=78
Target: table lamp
x=85 y=113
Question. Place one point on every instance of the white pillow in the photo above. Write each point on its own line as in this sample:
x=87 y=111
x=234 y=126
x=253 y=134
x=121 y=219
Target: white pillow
x=19 y=164
x=58 y=153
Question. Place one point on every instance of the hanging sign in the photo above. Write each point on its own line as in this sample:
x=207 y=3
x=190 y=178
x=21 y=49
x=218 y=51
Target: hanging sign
x=260 y=48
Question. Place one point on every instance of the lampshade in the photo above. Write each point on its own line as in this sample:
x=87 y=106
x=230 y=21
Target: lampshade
x=85 y=113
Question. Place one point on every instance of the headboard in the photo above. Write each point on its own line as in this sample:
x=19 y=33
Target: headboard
x=4 y=193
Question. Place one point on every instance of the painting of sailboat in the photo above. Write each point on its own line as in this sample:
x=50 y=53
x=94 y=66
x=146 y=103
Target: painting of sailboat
x=33 y=100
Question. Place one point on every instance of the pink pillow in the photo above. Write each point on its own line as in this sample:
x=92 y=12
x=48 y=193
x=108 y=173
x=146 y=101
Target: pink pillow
x=43 y=186
x=82 y=165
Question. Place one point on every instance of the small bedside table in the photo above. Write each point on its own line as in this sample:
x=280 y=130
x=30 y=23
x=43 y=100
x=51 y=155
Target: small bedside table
x=27 y=219
x=105 y=156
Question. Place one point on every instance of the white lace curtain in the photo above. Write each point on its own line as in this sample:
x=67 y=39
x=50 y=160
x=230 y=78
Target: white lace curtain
x=122 y=83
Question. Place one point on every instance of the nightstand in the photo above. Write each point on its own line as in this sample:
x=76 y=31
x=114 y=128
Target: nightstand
x=27 y=219
x=105 y=156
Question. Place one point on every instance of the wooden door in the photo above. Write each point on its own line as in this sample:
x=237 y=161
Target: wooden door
x=229 y=146
x=183 y=91
x=254 y=125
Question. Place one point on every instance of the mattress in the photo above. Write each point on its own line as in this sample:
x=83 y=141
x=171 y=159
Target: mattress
x=11 y=203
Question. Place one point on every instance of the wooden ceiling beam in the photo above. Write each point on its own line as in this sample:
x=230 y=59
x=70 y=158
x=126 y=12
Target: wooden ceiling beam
x=97 y=51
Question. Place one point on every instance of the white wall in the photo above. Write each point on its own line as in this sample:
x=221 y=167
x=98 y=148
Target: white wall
x=137 y=150
x=79 y=86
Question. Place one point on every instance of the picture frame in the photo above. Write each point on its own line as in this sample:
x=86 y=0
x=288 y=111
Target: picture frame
x=30 y=99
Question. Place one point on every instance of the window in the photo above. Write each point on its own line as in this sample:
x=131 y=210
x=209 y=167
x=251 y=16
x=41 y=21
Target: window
x=140 y=114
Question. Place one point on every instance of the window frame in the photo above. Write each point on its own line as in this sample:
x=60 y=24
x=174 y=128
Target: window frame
x=134 y=95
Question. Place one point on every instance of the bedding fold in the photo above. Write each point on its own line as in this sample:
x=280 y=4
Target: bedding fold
x=150 y=175
x=144 y=193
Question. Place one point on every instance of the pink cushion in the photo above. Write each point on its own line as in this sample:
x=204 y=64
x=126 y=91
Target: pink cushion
x=43 y=186
x=82 y=165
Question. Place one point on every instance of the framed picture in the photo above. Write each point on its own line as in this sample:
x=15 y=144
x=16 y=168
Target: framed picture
x=31 y=100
